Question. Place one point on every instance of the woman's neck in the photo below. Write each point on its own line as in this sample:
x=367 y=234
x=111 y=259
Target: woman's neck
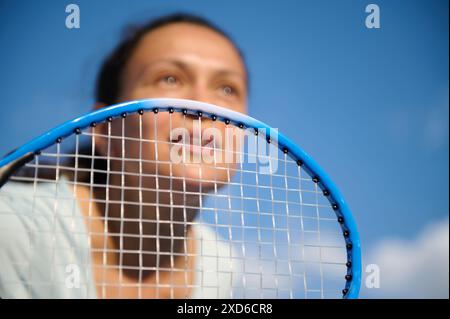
x=144 y=244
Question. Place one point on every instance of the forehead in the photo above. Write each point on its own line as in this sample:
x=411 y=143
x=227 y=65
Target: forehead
x=196 y=45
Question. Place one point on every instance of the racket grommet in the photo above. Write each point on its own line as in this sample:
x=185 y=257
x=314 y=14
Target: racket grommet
x=58 y=140
x=285 y=150
x=340 y=219
x=200 y=113
x=348 y=264
x=155 y=110
x=346 y=233
x=256 y=131
x=93 y=124
x=124 y=115
x=241 y=125
x=171 y=110
x=109 y=119
x=185 y=112
x=227 y=121
x=268 y=140
x=348 y=277
x=299 y=163
x=77 y=131
x=344 y=291
x=38 y=152
x=326 y=192
x=315 y=179
x=335 y=206
x=141 y=112
x=349 y=246
x=213 y=117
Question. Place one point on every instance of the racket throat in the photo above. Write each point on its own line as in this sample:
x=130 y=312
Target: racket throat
x=9 y=169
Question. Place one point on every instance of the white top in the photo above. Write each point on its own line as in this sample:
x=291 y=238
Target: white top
x=42 y=254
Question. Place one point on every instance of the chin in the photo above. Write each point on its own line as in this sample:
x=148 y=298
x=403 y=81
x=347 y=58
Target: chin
x=200 y=176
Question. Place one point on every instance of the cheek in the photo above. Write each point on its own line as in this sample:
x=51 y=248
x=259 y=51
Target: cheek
x=137 y=92
x=146 y=138
x=150 y=128
x=241 y=107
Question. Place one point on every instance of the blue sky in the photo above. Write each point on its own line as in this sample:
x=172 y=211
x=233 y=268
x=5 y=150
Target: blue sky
x=370 y=105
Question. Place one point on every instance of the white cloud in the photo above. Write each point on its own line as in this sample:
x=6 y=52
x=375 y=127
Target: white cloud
x=412 y=269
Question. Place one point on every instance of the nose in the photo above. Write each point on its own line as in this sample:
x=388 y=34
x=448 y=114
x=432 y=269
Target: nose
x=201 y=93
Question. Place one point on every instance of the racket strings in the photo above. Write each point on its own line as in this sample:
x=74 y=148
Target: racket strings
x=257 y=227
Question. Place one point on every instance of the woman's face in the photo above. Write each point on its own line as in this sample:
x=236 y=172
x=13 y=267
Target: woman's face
x=186 y=61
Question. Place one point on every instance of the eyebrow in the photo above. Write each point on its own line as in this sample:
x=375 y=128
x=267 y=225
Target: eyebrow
x=185 y=67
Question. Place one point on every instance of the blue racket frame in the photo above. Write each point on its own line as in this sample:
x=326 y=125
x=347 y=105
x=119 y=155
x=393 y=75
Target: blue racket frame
x=343 y=213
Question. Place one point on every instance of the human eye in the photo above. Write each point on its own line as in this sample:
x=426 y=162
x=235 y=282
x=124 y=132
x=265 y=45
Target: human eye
x=169 y=80
x=228 y=90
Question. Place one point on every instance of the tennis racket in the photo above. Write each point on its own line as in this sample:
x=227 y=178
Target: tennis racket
x=170 y=198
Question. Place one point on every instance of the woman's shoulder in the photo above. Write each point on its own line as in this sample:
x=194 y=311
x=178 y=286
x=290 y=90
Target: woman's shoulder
x=40 y=223
x=32 y=207
x=24 y=198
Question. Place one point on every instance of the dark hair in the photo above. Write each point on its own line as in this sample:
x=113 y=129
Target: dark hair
x=110 y=75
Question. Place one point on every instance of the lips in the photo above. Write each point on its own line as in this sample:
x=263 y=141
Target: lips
x=196 y=145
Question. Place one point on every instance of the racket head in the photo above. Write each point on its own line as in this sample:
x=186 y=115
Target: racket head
x=16 y=159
